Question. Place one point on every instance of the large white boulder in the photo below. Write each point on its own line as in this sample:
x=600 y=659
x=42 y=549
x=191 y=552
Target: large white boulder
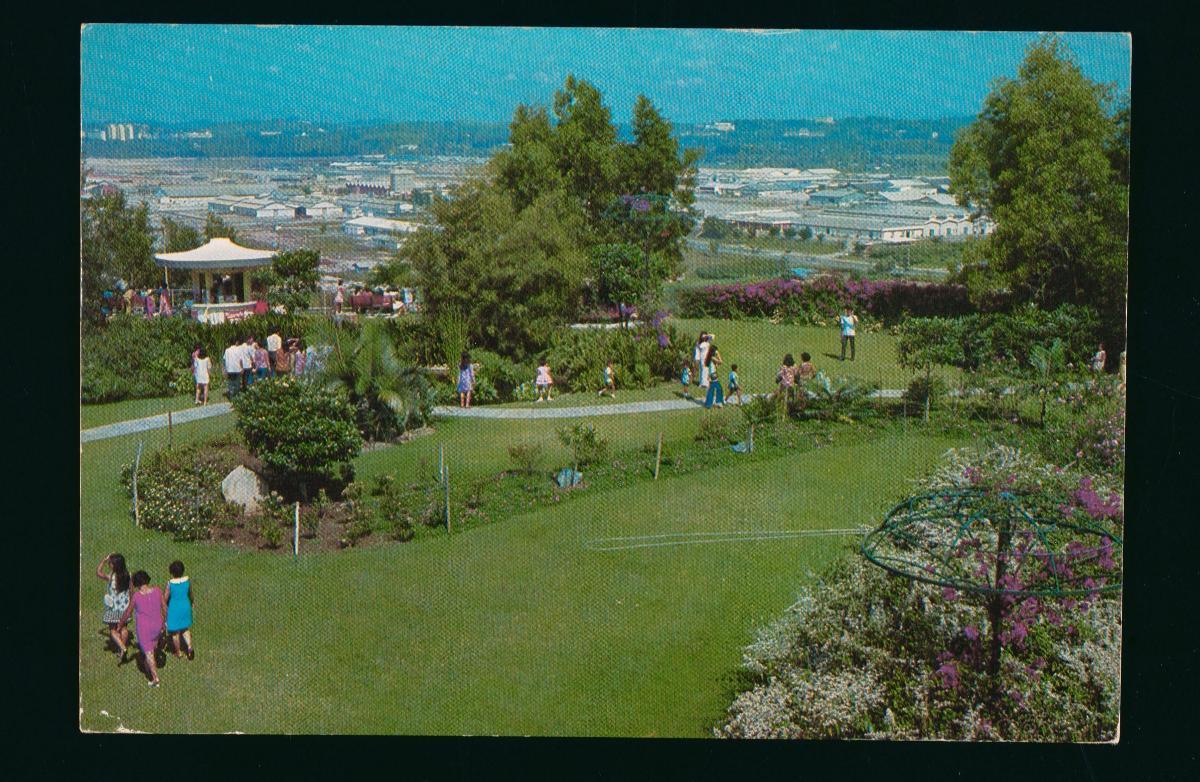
x=244 y=487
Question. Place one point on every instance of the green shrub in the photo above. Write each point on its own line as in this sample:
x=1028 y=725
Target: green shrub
x=761 y=410
x=584 y=443
x=497 y=379
x=526 y=457
x=840 y=398
x=714 y=431
x=396 y=516
x=305 y=435
x=922 y=388
x=641 y=356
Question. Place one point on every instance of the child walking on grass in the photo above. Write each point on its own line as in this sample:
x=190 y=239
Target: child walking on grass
x=610 y=381
x=685 y=379
x=116 y=599
x=148 y=607
x=179 y=609
x=544 y=382
x=735 y=385
x=466 y=380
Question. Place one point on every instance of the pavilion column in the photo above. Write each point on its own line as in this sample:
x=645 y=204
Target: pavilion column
x=245 y=286
x=208 y=285
x=196 y=286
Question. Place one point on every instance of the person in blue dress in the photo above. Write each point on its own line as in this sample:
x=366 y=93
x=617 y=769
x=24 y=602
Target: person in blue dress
x=466 y=380
x=179 y=609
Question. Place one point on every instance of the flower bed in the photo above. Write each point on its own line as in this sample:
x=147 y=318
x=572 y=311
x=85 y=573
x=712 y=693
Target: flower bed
x=870 y=655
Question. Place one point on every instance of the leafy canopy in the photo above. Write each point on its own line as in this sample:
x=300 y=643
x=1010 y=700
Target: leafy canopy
x=514 y=249
x=1047 y=157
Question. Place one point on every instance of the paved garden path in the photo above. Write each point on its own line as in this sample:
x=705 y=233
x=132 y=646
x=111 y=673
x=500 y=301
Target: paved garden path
x=509 y=413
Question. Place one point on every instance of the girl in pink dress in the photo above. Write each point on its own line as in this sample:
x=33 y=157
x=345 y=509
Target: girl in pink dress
x=148 y=607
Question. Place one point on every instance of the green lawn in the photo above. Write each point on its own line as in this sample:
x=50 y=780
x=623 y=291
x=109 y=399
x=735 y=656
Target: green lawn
x=128 y=409
x=514 y=628
x=758 y=347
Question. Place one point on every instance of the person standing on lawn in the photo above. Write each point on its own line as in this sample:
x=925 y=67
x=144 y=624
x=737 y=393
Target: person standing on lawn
x=806 y=370
x=283 y=360
x=148 y=607
x=849 y=323
x=466 y=380
x=247 y=357
x=299 y=357
x=179 y=609
x=609 y=378
x=698 y=353
x=116 y=599
x=715 y=393
x=232 y=361
x=544 y=382
x=735 y=385
x=786 y=378
x=262 y=361
x=1100 y=359
x=201 y=368
x=274 y=343
x=685 y=380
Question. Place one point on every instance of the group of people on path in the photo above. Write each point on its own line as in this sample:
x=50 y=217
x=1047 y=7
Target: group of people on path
x=705 y=360
x=154 y=302
x=247 y=360
x=151 y=609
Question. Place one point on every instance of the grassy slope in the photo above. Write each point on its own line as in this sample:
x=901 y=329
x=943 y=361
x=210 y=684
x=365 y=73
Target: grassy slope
x=515 y=628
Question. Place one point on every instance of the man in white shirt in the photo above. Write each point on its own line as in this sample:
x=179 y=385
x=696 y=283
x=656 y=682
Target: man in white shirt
x=247 y=362
x=274 y=343
x=849 y=324
x=232 y=361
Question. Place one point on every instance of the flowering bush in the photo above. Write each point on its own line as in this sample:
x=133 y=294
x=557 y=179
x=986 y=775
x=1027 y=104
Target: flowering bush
x=869 y=654
x=820 y=300
x=179 y=491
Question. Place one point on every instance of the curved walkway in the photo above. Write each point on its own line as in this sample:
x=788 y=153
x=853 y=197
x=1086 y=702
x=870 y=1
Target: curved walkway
x=150 y=423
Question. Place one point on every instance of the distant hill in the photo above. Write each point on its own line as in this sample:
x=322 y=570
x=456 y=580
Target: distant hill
x=903 y=147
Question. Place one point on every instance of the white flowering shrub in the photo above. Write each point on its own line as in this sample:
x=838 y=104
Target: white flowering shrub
x=866 y=654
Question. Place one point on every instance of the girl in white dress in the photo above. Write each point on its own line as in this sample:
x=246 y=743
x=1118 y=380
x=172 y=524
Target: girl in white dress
x=201 y=369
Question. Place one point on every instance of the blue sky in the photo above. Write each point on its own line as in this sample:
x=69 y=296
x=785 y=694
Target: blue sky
x=211 y=73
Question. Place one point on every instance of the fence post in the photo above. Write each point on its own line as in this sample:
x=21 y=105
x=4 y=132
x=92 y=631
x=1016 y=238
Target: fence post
x=441 y=463
x=750 y=442
x=170 y=433
x=446 y=480
x=137 y=461
x=296 y=535
x=658 y=456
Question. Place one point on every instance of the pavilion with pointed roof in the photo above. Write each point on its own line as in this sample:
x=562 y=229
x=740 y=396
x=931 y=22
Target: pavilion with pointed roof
x=218 y=269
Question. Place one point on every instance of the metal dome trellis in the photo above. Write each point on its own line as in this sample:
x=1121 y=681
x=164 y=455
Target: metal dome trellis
x=999 y=545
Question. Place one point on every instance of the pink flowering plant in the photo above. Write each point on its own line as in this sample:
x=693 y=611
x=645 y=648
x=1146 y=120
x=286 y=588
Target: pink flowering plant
x=909 y=658
x=821 y=299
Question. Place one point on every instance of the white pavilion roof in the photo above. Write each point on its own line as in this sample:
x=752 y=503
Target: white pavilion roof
x=219 y=253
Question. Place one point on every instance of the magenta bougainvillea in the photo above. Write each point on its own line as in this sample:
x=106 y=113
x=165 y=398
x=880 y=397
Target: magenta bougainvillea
x=823 y=298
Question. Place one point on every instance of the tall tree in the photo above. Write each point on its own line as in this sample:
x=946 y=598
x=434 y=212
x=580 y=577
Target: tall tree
x=115 y=244
x=178 y=237
x=292 y=279
x=1047 y=157
x=214 y=226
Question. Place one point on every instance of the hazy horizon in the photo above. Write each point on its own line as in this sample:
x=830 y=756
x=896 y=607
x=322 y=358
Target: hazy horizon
x=207 y=74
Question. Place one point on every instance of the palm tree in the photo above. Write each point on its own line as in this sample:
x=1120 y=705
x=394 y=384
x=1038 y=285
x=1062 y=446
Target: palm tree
x=1048 y=363
x=389 y=396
